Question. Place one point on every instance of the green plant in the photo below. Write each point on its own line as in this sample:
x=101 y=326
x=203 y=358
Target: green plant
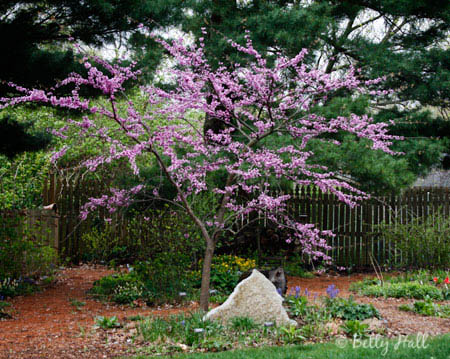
x=242 y=324
x=354 y=328
x=153 y=281
x=423 y=242
x=135 y=318
x=150 y=233
x=348 y=309
x=436 y=347
x=294 y=267
x=297 y=306
x=428 y=308
x=82 y=331
x=291 y=335
x=225 y=272
x=358 y=286
x=107 y=323
x=23 y=255
x=415 y=290
x=3 y=306
x=190 y=330
x=218 y=298
x=22 y=179
x=77 y=303
x=153 y=329
x=128 y=292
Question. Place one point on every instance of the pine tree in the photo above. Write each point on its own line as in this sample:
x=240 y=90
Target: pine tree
x=406 y=41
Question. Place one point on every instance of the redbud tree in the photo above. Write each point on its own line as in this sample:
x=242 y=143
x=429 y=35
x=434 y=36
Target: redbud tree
x=254 y=103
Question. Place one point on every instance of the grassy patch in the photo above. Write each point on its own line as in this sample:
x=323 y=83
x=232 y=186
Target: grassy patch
x=437 y=348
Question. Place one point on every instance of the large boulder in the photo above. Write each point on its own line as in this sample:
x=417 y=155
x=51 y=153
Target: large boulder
x=276 y=276
x=255 y=297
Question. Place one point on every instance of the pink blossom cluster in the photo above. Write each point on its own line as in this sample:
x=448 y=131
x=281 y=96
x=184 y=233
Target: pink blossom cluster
x=253 y=102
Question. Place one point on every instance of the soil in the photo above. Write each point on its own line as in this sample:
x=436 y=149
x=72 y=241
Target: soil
x=46 y=325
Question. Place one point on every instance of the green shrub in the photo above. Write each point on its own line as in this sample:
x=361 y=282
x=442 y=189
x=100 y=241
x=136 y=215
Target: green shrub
x=292 y=335
x=242 y=324
x=154 y=282
x=3 y=307
x=197 y=334
x=149 y=234
x=423 y=243
x=358 y=286
x=294 y=267
x=22 y=179
x=403 y=290
x=23 y=257
x=189 y=329
x=298 y=306
x=311 y=314
x=348 y=309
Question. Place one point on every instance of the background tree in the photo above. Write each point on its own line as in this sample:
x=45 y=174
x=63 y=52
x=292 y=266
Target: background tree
x=407 y=41
x=34 y=35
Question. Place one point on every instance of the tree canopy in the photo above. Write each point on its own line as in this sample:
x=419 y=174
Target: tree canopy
x=406 y=41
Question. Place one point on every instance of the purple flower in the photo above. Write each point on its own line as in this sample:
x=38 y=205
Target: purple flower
x=279 y=291
x=297 y=291
x=306 y=292
x=332 y=291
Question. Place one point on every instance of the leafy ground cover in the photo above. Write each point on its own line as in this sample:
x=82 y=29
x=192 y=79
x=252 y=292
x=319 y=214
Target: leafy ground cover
x=428 y=308
x=418 y=285
x=320 y=318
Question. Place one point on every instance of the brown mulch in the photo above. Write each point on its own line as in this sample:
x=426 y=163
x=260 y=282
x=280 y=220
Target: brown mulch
x=46 y=325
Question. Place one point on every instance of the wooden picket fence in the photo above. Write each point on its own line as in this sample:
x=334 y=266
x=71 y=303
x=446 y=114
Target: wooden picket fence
x=356 y=229
x=356 y=239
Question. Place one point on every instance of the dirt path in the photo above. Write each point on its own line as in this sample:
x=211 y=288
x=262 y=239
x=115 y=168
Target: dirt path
x=47 y=326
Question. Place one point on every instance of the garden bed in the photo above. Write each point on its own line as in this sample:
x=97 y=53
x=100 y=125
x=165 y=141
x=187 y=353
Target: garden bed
x=58 y=322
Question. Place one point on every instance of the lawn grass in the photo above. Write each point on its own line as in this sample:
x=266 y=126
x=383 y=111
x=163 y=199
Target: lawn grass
x=436 y=348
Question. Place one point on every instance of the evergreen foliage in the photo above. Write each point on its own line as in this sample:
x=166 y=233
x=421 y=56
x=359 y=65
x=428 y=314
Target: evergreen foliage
x=402 y=40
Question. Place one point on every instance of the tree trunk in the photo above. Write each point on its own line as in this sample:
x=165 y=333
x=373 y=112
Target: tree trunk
x=206 y=274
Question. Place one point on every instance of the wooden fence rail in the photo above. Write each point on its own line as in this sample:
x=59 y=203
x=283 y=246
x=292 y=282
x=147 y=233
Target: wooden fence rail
x=355 y=228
